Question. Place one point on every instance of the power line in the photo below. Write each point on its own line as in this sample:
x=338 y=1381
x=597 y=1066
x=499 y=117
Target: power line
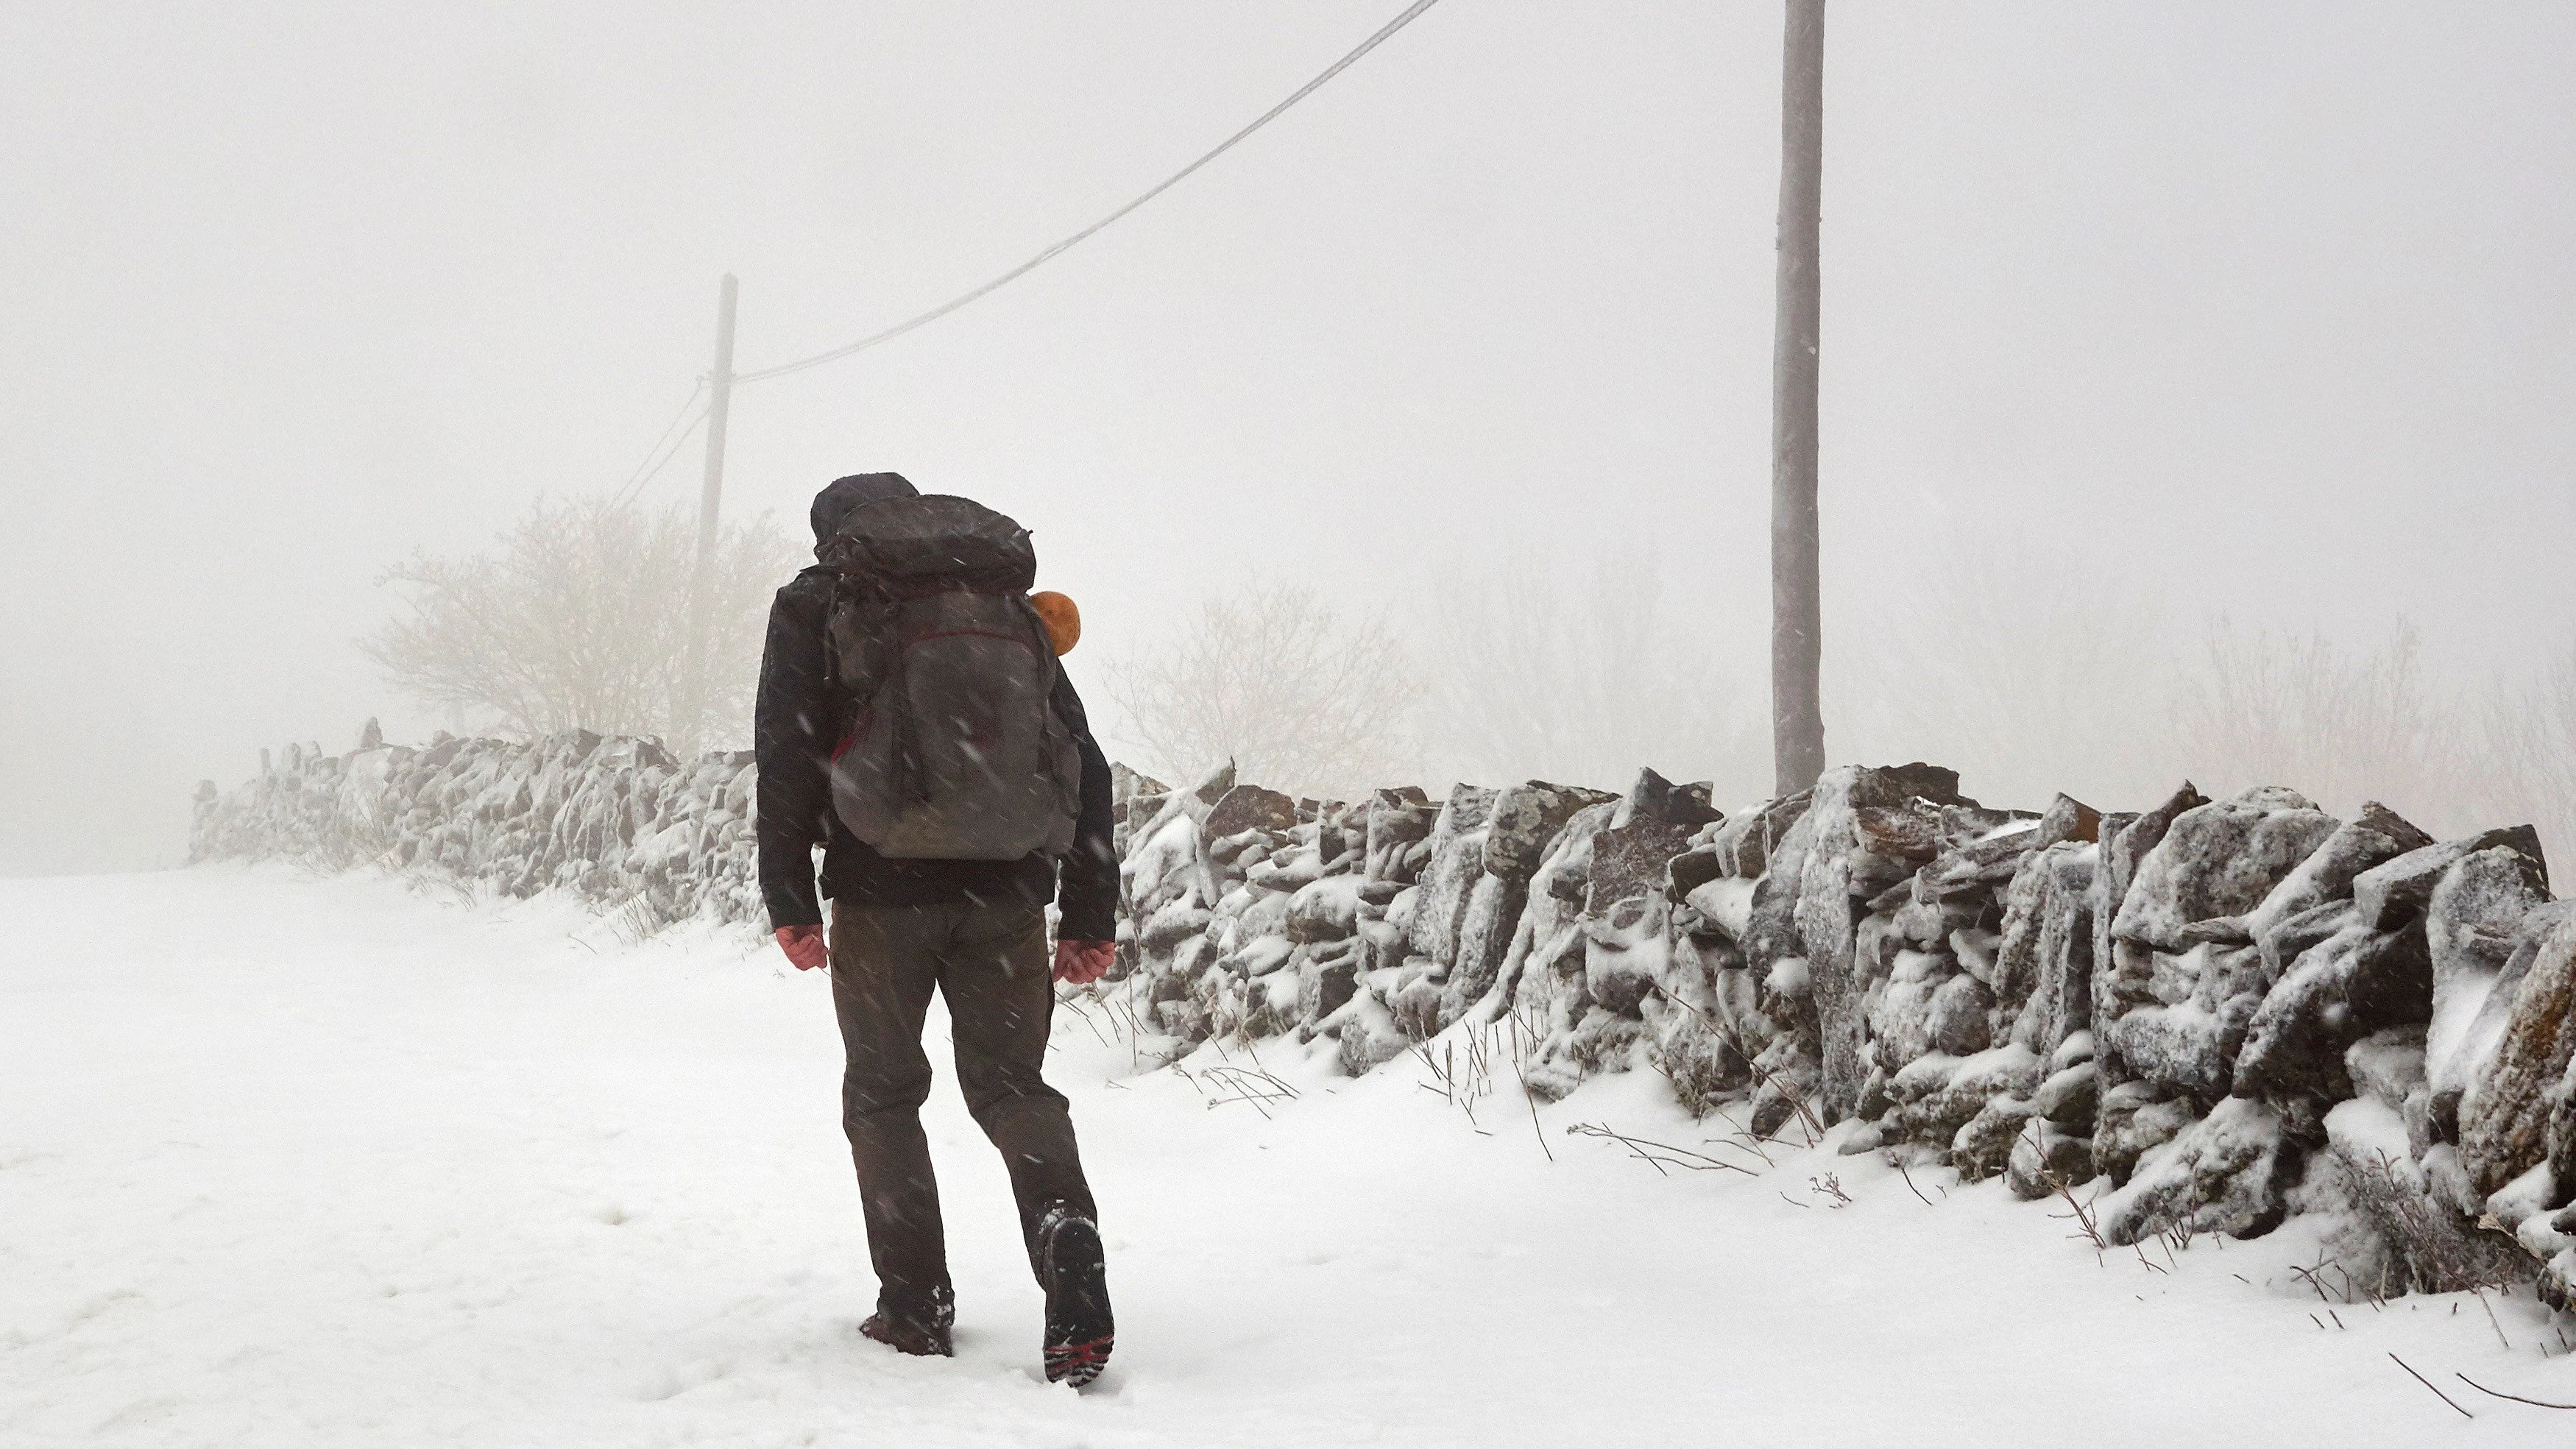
x=677 y=444
x=635 y=480
x=664 y=449
x=1069 y=243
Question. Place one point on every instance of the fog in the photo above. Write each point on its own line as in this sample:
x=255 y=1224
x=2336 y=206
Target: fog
x=2134 y=317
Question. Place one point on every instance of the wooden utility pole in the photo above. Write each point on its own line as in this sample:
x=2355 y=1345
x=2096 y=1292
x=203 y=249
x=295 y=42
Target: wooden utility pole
x=1797 y=625
x=688 y=714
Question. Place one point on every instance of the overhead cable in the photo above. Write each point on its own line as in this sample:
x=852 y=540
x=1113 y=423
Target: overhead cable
x=1069 y=243
x=664 y=449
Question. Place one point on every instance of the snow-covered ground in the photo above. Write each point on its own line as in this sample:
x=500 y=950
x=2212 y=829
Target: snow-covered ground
x=294 y=1161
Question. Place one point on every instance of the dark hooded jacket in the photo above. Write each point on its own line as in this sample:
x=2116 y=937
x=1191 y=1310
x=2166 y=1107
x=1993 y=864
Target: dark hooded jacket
x=795 y=724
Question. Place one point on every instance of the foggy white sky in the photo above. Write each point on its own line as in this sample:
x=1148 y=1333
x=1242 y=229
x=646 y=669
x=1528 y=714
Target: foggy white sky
x=2263 y=309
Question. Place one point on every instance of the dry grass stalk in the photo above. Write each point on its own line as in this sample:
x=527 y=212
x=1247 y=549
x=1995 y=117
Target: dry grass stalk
x=1657 y=1155
x=2428 y=1383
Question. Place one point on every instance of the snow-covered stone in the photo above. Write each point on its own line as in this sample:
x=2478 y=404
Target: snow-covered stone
x=1526 y=817
x=2131 y=1119
x=2489 y=907
x=1937 y=1095
x=1868 y=828
x=1398 y=826
x=1543 y=965
x=1743 y=845
x=2186 y=978
x=2043 y=965
x=2505 y=1116
x=2120 y=978
x=2047 y=1158
x=2071 y=1097
x=2373 y=838
x=2387 y=1067
x=1984 y=1147
x=2217 y=862
x=2338 y=991
x=1324 y=910
x=2229 y=1173
x=2402 y=888
x=1457 y=862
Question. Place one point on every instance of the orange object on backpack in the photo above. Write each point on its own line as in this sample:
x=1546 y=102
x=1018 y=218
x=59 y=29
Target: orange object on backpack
x=1063 y=621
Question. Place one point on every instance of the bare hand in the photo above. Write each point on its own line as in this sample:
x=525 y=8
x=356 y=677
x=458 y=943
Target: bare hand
x=1079 y=963
x=804 y=946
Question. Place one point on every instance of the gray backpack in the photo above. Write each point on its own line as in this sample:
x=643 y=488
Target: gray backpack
x=953 y=748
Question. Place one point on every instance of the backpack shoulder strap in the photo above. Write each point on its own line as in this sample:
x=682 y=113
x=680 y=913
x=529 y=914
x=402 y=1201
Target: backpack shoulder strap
x=850 y=604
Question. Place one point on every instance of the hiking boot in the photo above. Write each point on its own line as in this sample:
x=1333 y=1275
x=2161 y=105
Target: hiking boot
x=924 y=1334
x=1075 y=1274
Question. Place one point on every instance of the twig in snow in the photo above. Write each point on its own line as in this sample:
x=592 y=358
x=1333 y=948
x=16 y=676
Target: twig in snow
x=1532 y=1098
x=1277 y=1086
x=2481 y=1295
x=2082 y=1214
x=1899 y=1164
x=1661 y=1153
x=2428 y=1383
x=1737 y=1136
x=2517 y=1398
x=1254 y=1087
x=1073 y=1002
x=1216 y=1102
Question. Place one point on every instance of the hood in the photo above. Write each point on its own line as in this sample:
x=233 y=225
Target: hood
x=843 y=494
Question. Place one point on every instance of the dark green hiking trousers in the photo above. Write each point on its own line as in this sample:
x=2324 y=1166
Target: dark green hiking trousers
x=989 y=961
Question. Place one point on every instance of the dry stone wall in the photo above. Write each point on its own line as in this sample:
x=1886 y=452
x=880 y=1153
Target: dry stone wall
x=616 y=821
x=2200 y=1016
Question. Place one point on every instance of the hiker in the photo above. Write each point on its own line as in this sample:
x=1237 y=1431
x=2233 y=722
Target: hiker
x=914 y=722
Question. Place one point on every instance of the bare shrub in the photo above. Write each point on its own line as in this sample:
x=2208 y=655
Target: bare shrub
x=1705 y=1069
x=1543 y=672
x=579 y=619
x=2027 y=676
x=2031 y=678
x=1272 y=680
x=2412 y=1243
x=2340 y=727
x=2528 y=765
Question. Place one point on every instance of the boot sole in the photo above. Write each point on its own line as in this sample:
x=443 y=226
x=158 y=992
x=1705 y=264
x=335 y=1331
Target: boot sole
x=1080 y=1331
x=1078 y=1363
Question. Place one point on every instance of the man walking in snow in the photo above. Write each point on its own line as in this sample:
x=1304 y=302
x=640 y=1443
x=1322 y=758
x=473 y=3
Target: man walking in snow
x=912 y=720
